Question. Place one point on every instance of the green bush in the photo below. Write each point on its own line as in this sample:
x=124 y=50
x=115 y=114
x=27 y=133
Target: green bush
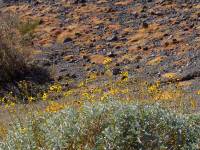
x=109 y=125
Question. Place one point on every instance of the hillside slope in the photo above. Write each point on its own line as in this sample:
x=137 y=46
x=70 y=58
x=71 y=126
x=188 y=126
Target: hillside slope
x=154 y=40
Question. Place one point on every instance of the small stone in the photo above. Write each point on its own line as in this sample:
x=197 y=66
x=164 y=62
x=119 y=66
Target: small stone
x=68 y=58
x=78 y=34
x=112 y=38
x=111 y=54
x=116 y=71
x=145 y=24
x=138 y=58
x=174 y=41
x=87 y=58
x=145 y=48
x=139 y=47
x=68 y=39
x=79 y=1
x=166 y=44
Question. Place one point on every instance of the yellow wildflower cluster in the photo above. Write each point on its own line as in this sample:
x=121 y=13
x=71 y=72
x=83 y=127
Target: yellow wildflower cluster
x=31 y=99
x=81 y=84
x=55 y=88
x=68 y=93
x=10 y=105
x=23 y=130
x=105 y=97
x=113 y=91
x=92 y=76
x=96 y=90
x=154 y=88
x=107 y=60
x=88 y=96
x=44 y=96
x=124 y=91
x=2 y=99
x=165 y=95
x=124 y=76
x=54 y=107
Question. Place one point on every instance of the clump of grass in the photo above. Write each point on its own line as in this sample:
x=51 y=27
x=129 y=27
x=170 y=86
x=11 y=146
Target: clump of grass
x=107 y=125
x=12 y=53
x=27 y=30
x=29 y=26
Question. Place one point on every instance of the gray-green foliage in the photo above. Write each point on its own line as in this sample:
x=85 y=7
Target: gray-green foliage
x=110 y=125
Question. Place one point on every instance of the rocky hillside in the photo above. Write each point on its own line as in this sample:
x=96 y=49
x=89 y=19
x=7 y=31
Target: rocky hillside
x=155 y=40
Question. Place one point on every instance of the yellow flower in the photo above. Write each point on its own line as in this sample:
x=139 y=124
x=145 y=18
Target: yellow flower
x=107 y=61
x=23 y=130
x=97 y=90
x=44 y=96
x=31 y=99
x=54 y=107
x=3 y=100
x=104 y=97
x=165 y=95
x=7 y=106
x=87 y=96
x=125 y=91
x=81 y=84
x=92 y=76
x=154 y=88
x=12 y=104
x=198 y=92
x=124 y=76
x=68 y=93
x=113 y=91
x=55 y=88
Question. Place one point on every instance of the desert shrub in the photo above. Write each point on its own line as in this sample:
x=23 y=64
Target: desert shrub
x=110 y=125
x=26 y=29
x=28 y=26
x=12 y=53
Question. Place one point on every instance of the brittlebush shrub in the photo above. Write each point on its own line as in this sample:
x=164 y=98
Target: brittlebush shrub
x=12 y=52
x=111 y=125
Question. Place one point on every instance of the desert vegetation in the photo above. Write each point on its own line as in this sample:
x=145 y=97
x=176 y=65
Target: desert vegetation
x=98 y=75
x=110 y=116
x=12 y=57
x=107 y=125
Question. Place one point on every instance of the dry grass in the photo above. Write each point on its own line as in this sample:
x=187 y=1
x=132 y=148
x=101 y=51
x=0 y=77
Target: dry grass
x=12 y=52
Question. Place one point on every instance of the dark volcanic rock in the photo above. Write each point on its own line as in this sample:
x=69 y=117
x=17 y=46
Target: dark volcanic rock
x=116 y=71
x=66 y=40
x=79 y=1
x=112 y=38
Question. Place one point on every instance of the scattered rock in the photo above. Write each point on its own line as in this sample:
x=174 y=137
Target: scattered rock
x=137 y=58
x=147 y=29
x=145 y=48
x=111 y=54
x=79 y=1
x=145 y=24
x=112 y=38
x=116 y=71
x=68 y=57
x=68 y=39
